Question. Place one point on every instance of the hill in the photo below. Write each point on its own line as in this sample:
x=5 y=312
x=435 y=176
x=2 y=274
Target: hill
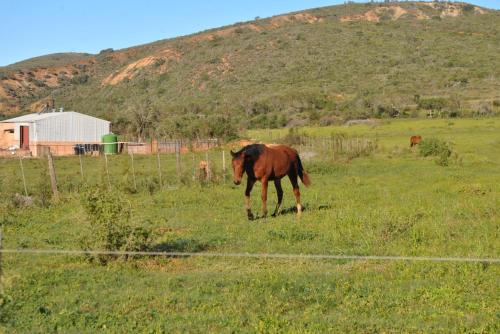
x=50 y=60
x=316 y=66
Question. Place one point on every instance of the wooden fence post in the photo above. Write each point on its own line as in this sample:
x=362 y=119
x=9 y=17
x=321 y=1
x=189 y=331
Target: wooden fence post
x=178 y=159
x=81 y=165
x=52 y=173
x=159 y=166
x=194 y=166
x=22 y=173
x=133 y=169
x=209 y=168
x=224 y=165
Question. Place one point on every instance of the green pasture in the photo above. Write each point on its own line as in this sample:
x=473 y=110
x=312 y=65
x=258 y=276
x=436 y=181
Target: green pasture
x=391 y=202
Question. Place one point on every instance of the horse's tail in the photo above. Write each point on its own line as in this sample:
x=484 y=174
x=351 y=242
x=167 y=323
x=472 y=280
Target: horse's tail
x=304 y=177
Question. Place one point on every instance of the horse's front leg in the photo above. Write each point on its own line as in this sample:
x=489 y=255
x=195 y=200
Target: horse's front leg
x=279 y=192
x=264 y=197
x=250 y=183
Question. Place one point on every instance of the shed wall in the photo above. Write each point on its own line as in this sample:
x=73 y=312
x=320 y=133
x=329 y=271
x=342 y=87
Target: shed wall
x=7 y=139
x=70 y=127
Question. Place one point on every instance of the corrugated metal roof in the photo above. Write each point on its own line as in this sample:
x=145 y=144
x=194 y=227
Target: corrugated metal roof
x=36 y=117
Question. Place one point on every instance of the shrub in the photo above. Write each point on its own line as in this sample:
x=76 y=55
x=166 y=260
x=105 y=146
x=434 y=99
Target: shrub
x=437 y=148
x=42 y=187
x=159 y=62
x=387 y=111
x=80 y=79
x=109 y=217
x=152 y=184
x=293 y=137
x=104 y=51
x=484 y=110
x=432 y=103
x=468 y=8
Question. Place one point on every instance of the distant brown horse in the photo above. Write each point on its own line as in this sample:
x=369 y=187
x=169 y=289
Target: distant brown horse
x=414 y=140
x=268 y=163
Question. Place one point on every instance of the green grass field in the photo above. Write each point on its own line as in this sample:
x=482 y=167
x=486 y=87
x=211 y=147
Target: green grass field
x=392 y=202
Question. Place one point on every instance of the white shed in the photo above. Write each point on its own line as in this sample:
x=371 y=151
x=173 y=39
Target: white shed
x=58 y=130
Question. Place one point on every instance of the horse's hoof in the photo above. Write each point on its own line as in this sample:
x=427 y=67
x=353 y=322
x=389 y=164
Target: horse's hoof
x=250 y=216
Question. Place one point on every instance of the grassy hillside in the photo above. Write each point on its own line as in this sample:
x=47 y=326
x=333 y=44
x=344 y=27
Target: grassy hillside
x=313 y=67
x=391 y=202
x=51 y=60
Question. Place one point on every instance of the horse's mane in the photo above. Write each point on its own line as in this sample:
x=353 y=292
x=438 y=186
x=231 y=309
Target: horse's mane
x=253 y=151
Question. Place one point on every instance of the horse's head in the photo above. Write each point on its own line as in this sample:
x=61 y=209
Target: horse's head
x=238 y=163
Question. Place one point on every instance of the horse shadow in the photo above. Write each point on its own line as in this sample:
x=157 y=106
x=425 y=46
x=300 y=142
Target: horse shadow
x=292 y=210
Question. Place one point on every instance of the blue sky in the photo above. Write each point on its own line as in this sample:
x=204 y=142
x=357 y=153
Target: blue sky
x=33 y=28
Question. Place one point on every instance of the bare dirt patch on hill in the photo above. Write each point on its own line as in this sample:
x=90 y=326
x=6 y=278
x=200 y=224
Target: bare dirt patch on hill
x=132 y=69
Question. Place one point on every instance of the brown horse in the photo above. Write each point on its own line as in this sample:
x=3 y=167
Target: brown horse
x=414 y=140
x=268 y=163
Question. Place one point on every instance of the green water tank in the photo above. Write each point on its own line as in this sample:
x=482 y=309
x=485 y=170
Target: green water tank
x=110 y=142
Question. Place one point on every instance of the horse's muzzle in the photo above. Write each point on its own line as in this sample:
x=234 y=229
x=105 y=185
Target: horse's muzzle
x=237 y=182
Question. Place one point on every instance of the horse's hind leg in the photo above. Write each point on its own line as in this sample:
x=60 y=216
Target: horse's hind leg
x=279 y=192
x=296 y=191
x=250 y=183
x=264 y=197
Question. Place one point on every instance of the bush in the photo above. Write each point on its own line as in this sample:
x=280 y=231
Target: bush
x=43 y=188
x=105 y=51
x=432 y=103
x=109 y=217
x=80 y=79
x=293 y=137
x=468 y=8
x=437 y=148
x=159 y=62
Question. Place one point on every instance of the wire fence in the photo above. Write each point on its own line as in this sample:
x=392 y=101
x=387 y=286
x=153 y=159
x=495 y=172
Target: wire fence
x=119 y=147
x=255 y=255
x=151 y=166
x=270 y=256
x=128 y=166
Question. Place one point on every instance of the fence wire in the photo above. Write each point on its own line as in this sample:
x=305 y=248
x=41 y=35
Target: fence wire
x=255 y=255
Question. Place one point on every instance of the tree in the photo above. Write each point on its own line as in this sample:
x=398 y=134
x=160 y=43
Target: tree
x=143 y=119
